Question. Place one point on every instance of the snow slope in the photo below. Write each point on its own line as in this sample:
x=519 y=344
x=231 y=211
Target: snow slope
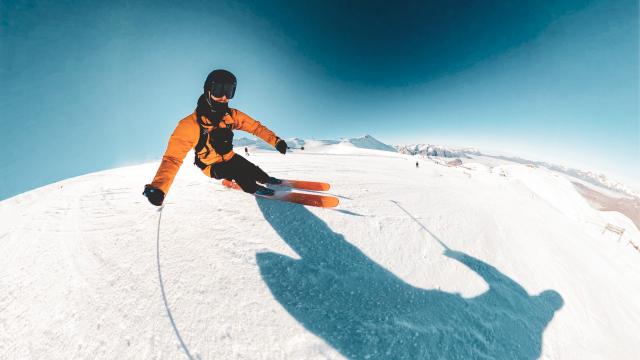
x=429 y=262
x=586 y=177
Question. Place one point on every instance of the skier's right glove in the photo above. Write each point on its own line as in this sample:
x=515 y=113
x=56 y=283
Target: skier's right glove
x=153 y=194
x=281 y=146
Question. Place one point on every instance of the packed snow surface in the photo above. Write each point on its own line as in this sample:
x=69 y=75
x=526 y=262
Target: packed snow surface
x=435 y=262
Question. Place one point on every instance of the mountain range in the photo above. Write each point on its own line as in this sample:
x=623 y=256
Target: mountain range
x=431 y=150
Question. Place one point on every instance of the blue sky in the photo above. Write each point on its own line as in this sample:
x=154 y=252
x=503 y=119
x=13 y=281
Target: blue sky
x=88 y=86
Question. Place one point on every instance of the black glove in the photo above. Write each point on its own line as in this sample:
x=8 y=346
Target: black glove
x=281 y=146
x=155 y=195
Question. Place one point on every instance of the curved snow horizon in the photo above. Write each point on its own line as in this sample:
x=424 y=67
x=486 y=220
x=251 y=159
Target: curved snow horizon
x=493 y=260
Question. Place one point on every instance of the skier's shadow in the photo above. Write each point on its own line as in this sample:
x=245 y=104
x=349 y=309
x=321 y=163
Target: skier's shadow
x=365 y=311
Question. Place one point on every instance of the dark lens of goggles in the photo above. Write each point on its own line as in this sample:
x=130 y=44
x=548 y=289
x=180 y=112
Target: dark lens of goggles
x=220 y=89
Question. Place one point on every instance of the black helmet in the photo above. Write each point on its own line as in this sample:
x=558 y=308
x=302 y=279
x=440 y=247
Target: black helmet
x=221 y=82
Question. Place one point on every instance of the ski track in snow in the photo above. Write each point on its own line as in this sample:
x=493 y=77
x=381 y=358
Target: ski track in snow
x=86 y=272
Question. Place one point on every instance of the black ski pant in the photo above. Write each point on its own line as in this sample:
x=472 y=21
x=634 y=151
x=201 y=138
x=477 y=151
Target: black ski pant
x=244 y=172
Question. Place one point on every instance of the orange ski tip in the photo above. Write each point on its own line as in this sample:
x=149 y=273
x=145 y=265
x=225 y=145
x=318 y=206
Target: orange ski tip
x=330 y=202
x=309 y=185
x=324 y=201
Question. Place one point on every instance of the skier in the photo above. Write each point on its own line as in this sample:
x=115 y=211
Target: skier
x=209 y=131
x=417 y=165
x=246 y=151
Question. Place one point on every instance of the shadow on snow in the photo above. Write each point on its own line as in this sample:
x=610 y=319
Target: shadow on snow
x=365 y=311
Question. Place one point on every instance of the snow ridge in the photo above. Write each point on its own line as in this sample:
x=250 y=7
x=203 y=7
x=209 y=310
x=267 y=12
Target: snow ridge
x=437 y=150
x=467 y=153
x=363 y=142
x=588 y=176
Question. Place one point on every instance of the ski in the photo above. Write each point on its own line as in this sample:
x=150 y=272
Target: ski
x=324 y=201
x=304 y=185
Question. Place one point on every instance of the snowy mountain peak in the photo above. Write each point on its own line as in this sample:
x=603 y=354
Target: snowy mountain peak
x=369 y=142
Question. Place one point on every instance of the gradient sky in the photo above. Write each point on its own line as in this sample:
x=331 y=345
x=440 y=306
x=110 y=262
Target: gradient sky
x=88 y=86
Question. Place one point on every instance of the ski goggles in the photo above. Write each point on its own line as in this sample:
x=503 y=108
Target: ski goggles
x=220 y=89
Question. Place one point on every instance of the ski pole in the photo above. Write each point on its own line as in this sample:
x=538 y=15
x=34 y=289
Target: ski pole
x=164 y=296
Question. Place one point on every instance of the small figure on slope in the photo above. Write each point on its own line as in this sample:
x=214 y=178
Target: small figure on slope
x=209 y=131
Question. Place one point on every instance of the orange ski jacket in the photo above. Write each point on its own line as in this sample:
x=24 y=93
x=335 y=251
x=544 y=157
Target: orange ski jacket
x=186 y=135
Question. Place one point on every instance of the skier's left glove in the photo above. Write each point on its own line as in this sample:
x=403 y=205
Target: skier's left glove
x=281 y=146
x=155 y=195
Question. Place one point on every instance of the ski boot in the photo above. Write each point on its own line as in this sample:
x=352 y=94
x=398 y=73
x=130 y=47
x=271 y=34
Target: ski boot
x=263 y=191
x=274 y=181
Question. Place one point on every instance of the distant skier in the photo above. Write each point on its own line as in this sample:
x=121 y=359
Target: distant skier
x=417 y=165
x=209 y=131
x=246 y=151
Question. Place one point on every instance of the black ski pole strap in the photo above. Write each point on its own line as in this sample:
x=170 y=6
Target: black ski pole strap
x=202 y=141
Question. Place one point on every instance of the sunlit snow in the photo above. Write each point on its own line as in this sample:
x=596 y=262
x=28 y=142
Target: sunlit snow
x=480 y=261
